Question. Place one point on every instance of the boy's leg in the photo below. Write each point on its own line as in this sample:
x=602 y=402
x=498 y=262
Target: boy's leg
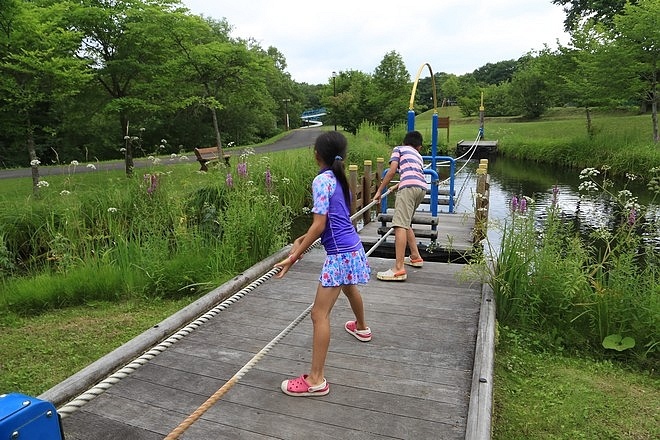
x=410 y=234
x=323 y=303
x=355 y=299
x=412 y=244
x=400 y=241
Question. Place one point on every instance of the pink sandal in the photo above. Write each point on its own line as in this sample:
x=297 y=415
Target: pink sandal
x=300 y=387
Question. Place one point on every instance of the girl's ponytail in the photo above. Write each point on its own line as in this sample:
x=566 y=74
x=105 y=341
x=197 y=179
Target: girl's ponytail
x=331 y=147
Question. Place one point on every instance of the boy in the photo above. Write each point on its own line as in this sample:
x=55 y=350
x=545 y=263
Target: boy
x=408 y=162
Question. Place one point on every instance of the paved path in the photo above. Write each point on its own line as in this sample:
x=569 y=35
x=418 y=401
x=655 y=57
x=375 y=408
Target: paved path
x=302 y=137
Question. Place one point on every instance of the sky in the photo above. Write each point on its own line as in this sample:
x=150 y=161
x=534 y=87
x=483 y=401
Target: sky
x=452 y=36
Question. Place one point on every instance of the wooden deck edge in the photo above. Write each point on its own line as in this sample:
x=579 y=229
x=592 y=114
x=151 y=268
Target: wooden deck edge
x=123 y=355
x=480 y=410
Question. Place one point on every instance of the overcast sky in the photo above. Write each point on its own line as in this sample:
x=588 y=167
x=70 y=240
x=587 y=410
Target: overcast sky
x=453 y=36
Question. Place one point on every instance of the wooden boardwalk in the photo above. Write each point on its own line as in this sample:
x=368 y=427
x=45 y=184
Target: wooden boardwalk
x=412 y=381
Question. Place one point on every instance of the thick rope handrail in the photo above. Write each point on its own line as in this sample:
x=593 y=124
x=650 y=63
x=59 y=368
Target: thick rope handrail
x=104 y=385
x=199 y=412
x=125 y=371
x=192 y=418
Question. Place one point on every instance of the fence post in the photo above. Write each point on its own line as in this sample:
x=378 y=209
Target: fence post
x=367 y=187
x=481 y=202
x=352 y=183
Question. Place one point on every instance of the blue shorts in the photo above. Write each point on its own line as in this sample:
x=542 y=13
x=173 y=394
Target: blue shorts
x=345 y=268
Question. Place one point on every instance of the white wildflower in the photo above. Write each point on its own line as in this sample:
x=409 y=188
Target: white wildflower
x=35 y=163
x=588 y=186
x=91 y=166
x=631 y=176
x=589 y=172
x=42 y=184
x=122 y=150
x=163 y=141
x=64 y=192
x=75 y=163
x=112 y=210
x=286 y=180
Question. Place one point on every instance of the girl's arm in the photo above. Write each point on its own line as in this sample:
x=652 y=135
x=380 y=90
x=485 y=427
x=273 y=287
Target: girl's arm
x=302 y=243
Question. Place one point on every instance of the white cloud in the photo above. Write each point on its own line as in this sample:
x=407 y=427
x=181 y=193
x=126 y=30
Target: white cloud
x=453 y=36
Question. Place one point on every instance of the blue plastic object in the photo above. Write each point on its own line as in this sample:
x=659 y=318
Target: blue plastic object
x=25 y=417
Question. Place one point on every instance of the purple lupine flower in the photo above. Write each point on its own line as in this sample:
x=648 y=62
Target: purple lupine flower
x=523 y=205
x=229 y=180
x=555 y=195
x=514 y=203
x=242 y=169
x=269 y=179
x=152 y=180
x=632 y=217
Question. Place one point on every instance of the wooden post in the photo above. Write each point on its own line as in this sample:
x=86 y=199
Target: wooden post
x=352 y=183
x=481 y=204
x=366 y=191
x=444 y=123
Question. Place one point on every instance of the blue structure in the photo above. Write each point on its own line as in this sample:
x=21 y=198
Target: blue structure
x=312 y=118
x=434 y=159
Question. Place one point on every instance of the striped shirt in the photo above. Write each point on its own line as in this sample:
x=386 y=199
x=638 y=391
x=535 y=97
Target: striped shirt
x=411 y=166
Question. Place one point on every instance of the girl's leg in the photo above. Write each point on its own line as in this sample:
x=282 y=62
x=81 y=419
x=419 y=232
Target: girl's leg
x=355 y=299
x=323 y=303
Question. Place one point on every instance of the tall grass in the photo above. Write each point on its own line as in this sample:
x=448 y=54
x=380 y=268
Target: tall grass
x=169 y=231
x=600 y=291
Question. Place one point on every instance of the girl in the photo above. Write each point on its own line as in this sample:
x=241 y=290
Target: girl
x=345 y=266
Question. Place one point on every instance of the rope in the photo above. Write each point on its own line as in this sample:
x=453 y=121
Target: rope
x=104 y=385
x=192 y=418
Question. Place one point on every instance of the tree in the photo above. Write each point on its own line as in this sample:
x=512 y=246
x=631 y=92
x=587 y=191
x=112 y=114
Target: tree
x=529 y=89
x=123 y=54
x=596 y=11
x=638 y=32
x=495 y=73
x=37 y=68
x=390 y=93
x=350 y=107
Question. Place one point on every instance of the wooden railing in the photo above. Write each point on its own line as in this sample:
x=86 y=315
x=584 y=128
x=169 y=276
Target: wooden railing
x=363 y=187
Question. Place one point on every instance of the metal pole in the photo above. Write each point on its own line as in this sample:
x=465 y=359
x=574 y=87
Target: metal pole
x=334 y=94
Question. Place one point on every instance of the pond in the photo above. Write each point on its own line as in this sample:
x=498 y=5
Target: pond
x=545 y=183
x=542 y=183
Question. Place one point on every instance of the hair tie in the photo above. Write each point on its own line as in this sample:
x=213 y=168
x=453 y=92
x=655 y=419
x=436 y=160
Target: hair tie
x=338 y=158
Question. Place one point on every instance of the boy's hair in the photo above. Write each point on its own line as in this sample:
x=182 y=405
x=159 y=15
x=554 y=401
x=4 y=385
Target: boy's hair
x=413 y=138
x=331 y=147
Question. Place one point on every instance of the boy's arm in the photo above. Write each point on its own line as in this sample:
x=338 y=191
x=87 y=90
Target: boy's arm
x=391 y=172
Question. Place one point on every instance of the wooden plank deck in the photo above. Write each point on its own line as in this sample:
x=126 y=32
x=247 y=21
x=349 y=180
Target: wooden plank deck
x=412 y=381
x=454 y=241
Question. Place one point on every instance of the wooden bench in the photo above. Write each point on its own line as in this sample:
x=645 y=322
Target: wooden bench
x=207 y=155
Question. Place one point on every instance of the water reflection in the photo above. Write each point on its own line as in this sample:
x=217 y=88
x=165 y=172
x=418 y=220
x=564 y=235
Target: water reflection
x=510 y=177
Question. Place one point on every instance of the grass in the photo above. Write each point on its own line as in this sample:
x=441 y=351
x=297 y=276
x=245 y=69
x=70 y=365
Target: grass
x=540 y=394
x=40 y=351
